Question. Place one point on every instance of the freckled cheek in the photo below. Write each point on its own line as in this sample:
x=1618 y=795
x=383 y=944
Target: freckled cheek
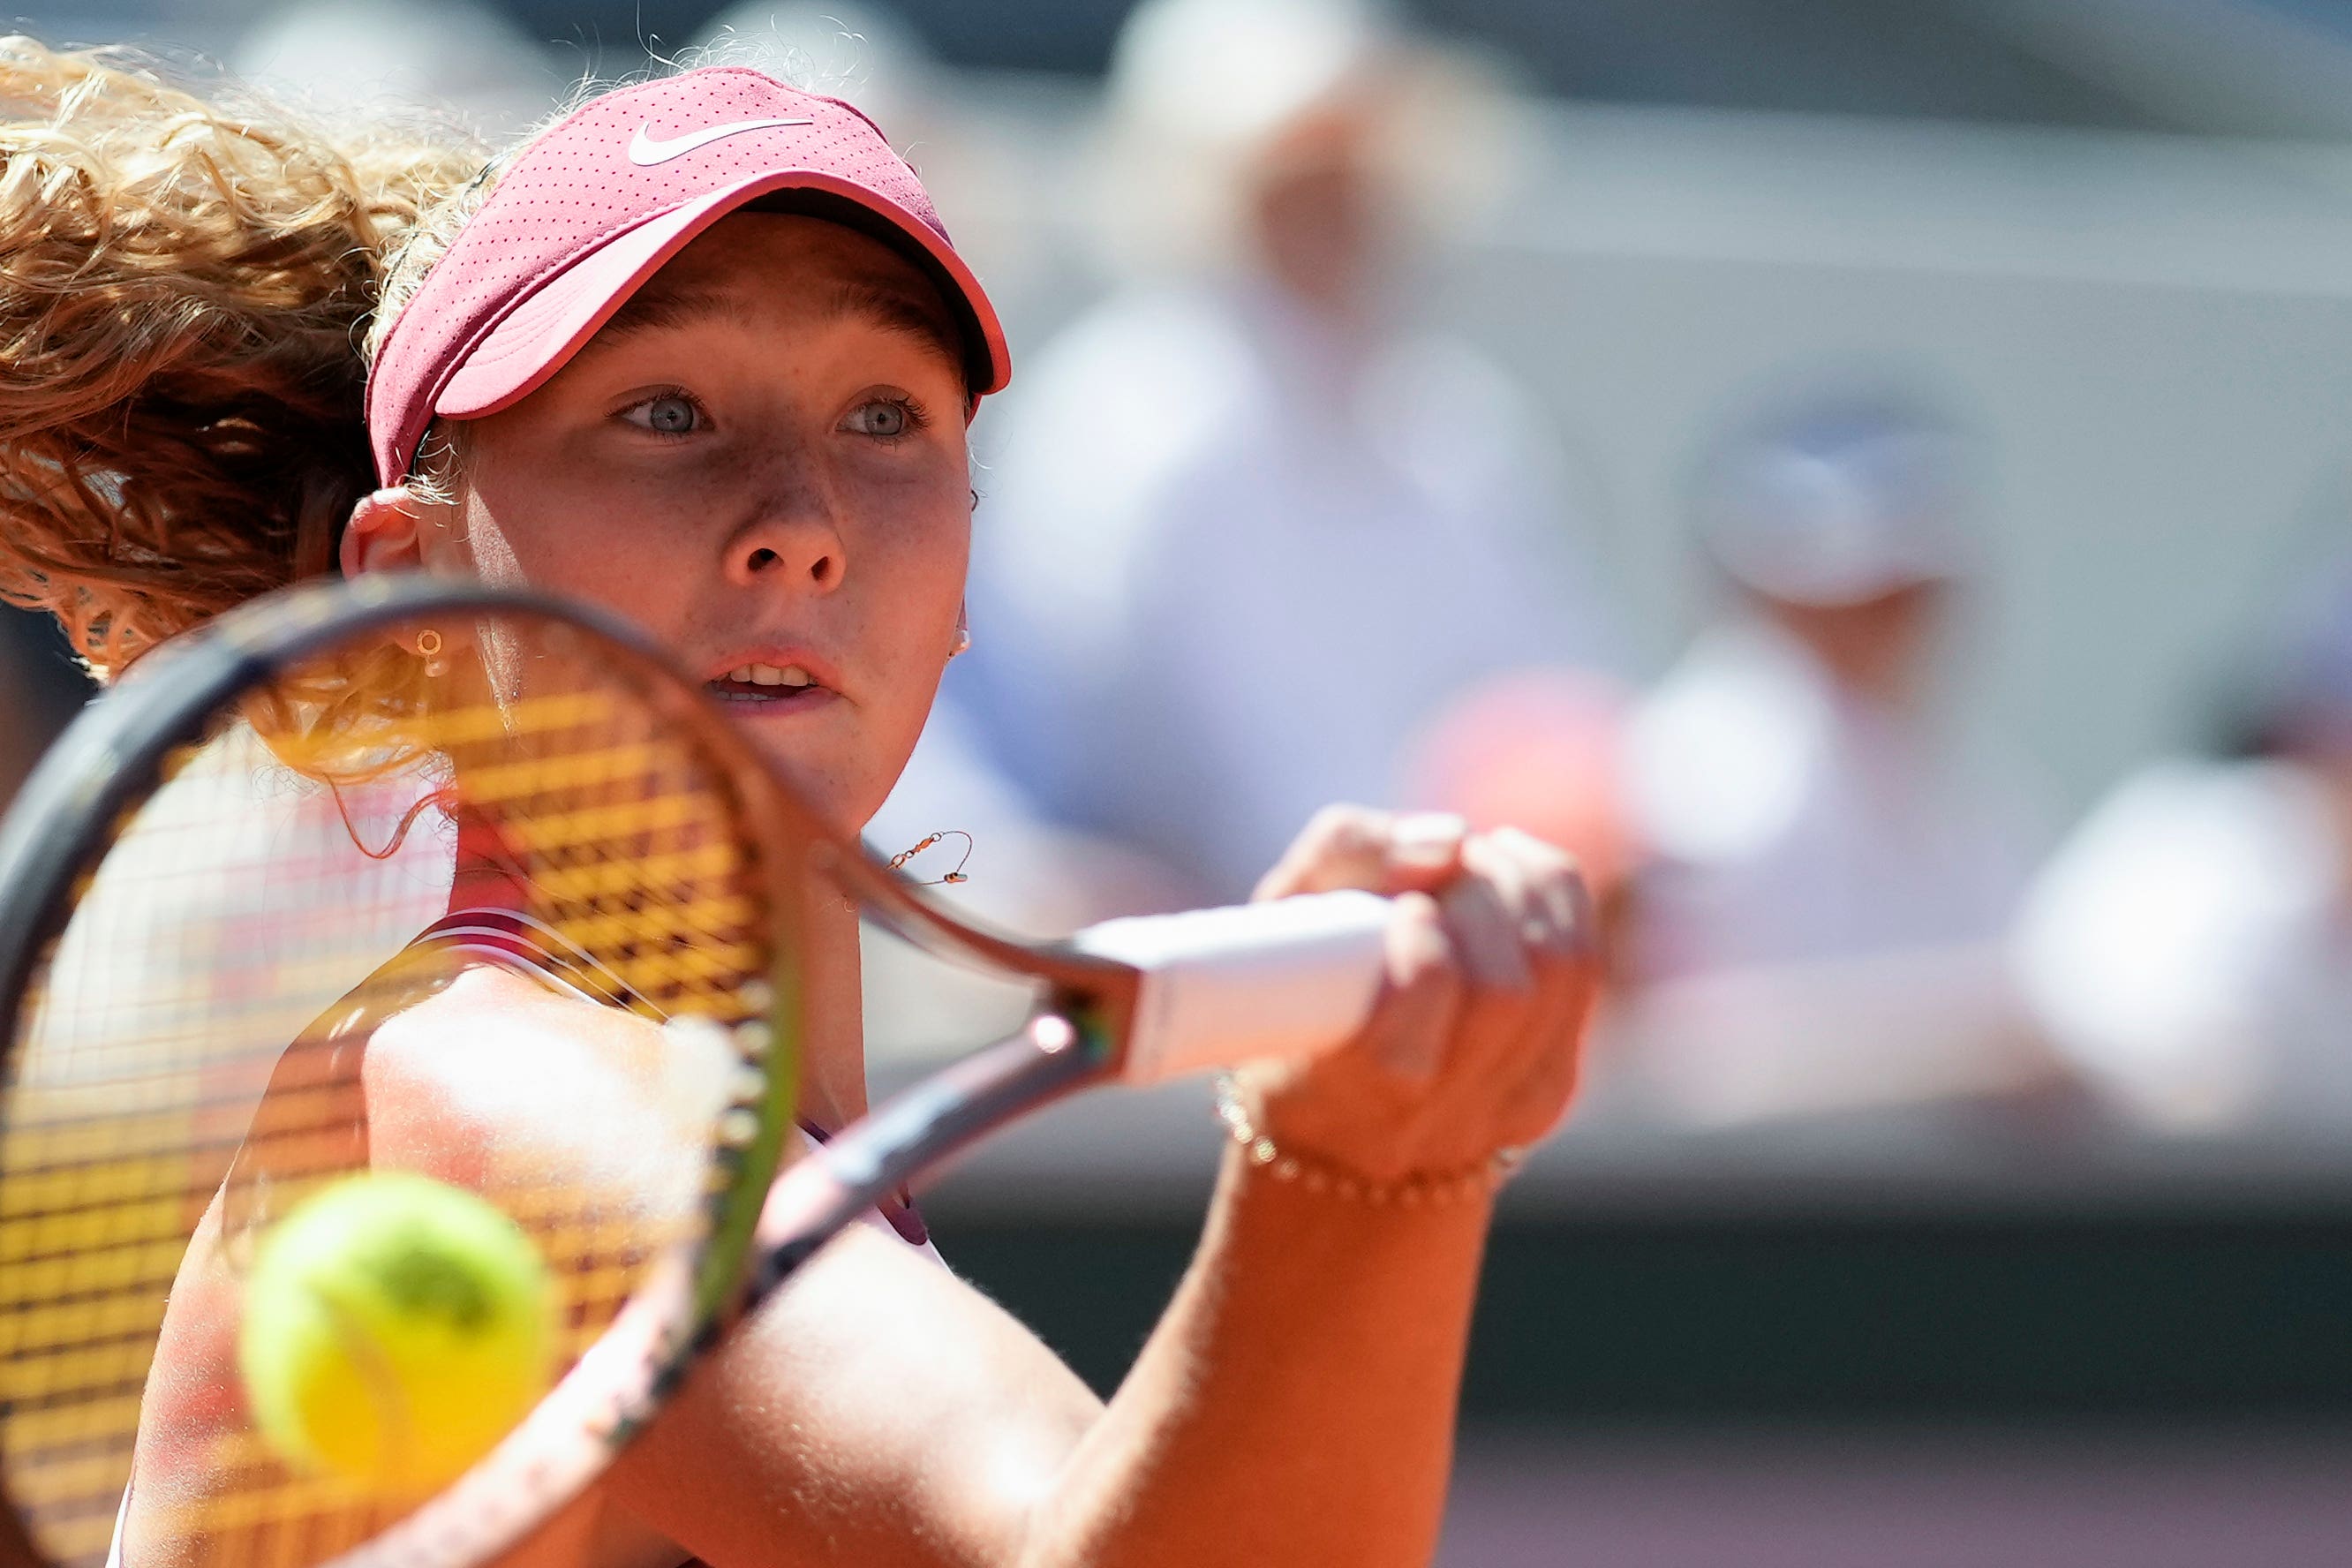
x=627 y=545
x=914 y=562
x=913 y=571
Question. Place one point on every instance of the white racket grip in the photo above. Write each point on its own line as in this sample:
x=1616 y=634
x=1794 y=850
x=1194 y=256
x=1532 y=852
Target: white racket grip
x=1290 y=978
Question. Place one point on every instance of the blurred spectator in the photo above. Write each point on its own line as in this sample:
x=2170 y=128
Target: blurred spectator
x=2190 y=947
x=452 y=56
x=1834 y=878
x=1249 y=531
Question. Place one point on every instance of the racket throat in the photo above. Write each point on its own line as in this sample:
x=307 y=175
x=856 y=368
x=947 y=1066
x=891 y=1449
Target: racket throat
x=916 y=1131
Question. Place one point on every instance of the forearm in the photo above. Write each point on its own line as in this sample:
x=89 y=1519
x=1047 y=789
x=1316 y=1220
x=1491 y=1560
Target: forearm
x=1296 y=1402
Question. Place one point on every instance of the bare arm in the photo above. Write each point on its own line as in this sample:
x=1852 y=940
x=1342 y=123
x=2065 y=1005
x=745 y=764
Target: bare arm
x=1296 y=1403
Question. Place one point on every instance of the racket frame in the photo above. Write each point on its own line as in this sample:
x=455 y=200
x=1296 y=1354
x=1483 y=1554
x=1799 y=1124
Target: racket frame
x=113 y=757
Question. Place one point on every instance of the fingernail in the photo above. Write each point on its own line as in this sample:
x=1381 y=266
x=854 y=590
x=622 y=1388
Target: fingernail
x=1428 y=837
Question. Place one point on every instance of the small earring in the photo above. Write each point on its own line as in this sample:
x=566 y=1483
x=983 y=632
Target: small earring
x=898 y=861
x=428 y=648
x=962 y=643
x=975 y=499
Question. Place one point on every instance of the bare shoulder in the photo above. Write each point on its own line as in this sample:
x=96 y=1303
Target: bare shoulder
x=500 y=1077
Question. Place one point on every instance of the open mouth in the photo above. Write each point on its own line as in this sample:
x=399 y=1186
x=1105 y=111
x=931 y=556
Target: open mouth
x=768 y=685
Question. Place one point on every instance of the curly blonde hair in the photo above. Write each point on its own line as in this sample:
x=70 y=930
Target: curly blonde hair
x=184 y=285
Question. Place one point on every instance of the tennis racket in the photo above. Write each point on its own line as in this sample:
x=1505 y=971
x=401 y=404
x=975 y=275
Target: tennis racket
x=259 y=910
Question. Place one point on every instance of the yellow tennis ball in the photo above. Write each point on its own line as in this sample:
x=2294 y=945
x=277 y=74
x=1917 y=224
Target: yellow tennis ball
x=395 y=1328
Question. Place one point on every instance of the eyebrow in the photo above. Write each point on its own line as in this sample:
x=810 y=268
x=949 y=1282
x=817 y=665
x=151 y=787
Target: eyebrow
x=655 y=306
x=901 y=312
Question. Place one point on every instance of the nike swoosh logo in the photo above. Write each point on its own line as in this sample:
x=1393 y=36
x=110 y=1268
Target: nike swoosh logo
x=645 y=150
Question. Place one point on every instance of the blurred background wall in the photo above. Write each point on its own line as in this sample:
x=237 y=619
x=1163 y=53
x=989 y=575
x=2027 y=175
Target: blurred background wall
x=2105 y=239
x=2108 y=234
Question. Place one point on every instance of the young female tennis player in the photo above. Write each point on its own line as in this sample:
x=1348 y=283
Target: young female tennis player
x=702 y=351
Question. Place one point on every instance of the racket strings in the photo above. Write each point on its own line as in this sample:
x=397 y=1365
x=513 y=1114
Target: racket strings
x=672 y=918
x=191 y=1062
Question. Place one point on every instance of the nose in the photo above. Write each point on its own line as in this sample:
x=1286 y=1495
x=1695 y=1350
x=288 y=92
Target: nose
x=794 y=544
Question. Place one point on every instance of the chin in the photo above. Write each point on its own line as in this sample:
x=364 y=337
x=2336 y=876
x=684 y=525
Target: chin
x=841 y=792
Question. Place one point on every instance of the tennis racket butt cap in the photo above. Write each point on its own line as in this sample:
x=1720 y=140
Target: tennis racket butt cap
x=1283 y=979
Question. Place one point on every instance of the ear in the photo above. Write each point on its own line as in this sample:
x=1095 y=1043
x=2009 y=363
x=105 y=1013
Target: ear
x=385 y=533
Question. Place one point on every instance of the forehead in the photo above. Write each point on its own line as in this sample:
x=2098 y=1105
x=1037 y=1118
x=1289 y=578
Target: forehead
x=757 y=269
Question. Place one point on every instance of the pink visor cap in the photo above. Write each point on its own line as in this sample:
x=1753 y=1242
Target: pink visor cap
x=594 y=206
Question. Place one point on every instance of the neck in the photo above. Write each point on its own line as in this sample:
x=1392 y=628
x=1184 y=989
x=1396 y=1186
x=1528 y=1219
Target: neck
x=833 y=1056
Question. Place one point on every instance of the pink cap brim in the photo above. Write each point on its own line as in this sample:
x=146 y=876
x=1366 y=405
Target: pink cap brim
x=545 y=327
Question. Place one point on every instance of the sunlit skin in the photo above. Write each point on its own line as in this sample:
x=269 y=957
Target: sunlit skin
x=719 y=467
x=741 y=505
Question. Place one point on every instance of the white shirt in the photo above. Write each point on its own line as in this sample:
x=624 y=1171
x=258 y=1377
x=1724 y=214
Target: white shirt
x=1232 y=564
x=1823 y=930
x=1799 y=824
x=2190 y=949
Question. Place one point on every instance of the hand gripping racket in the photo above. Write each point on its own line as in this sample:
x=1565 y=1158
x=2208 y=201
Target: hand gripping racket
x=422 y=875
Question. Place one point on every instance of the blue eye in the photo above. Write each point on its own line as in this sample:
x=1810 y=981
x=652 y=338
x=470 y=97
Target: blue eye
x=886 y=417
x=671 y=414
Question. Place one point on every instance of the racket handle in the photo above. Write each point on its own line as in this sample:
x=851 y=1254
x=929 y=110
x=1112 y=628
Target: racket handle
x=1290 y=978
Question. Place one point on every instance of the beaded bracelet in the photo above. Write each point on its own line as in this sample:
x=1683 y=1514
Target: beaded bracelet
x=1434 y=1189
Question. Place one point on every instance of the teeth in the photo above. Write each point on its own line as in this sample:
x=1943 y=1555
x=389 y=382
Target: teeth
x=770 y=675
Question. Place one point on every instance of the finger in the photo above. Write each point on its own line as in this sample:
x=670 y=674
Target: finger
x=1546 y=1061
x=1409 y=1033
x=1566 y=989
x=1341 y=847
x=1555 y=918
x=1525 y=1042
x=1486 y=911
x=1568 y=955
x=1485 y=1054
x=1356 y=847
